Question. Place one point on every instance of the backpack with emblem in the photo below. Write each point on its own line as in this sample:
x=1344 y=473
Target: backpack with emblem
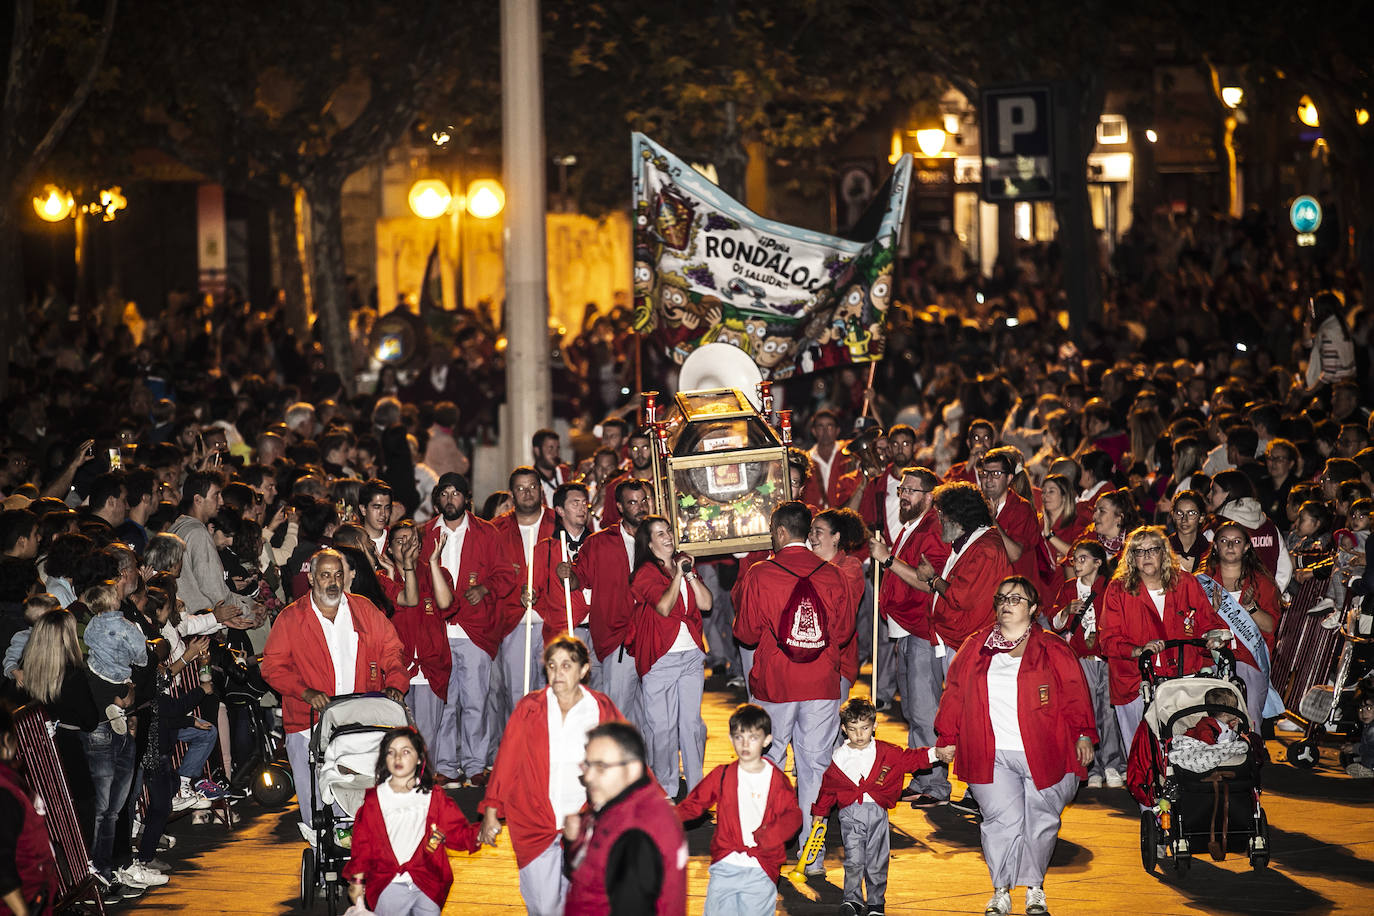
x=804 y=627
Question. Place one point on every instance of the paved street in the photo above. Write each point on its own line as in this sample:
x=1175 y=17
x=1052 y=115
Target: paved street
x=1322 y=829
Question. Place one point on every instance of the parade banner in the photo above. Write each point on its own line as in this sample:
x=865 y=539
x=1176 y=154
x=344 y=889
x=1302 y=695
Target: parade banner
x=709 y=270
x=1244 y=628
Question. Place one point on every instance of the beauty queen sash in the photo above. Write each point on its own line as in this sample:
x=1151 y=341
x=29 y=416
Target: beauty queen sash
x=1244 y=628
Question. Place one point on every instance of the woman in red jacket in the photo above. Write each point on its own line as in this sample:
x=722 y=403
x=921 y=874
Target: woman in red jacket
x=669 y=599
x=1234 y=564
x=536 y=784
x=400 y=864
x=835 y=535
x=1017 y=711
x=1149 y=600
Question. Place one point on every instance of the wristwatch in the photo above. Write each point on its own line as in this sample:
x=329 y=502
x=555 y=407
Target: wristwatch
x=887 y=564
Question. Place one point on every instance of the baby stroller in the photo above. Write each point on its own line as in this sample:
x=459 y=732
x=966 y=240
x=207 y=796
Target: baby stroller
x=1218 y=810
x=1329 y=708
x=344 y=743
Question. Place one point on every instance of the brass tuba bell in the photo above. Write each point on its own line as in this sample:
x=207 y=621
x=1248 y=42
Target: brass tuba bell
x=863 y=451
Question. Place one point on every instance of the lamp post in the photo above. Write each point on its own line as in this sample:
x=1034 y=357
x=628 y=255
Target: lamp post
x=430 y=198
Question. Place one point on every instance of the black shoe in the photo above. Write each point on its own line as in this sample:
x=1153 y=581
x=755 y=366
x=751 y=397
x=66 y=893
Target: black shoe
x=968 y=804
x=883 y=705
x=928 y=801
x=911 y=791
x=849 y=908
x=875 y=911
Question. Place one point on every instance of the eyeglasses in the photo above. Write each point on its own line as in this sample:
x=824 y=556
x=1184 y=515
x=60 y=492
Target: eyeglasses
x=1012 y=600
x=1146 y=551
x=1186 y=513
x=987 y=473
x=1230 y=542
x=601 y=766
x=909 y=490
x=528 y=488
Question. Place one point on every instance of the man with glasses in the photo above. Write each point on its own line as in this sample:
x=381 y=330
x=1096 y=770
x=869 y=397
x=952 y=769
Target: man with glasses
x=519 y=623
x=906 y=608
x=1280 y=462
x=981 y=436
x=639 y=466
x=881 y=507
x=1014 y=516
x=628 y=852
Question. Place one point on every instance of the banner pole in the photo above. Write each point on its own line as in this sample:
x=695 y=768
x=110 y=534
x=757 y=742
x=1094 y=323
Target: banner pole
x=875 y=632
x=567 y=588
x=872 y=371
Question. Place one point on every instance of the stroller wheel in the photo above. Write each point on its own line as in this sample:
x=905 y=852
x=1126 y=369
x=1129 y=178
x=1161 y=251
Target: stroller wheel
x=308 y=874
x=333 y=895
x=1304 y=754
x=1182 y=863
x=273 y=787
x=1149 y=840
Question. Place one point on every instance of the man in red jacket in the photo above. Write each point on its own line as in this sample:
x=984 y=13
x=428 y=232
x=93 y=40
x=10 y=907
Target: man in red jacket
x=802 y=697
x=1015 y=517
x=603 y=570
x=907 y=608
x=470 y=554
x=964 y=586
x=327 y=644
x=981 y=436
x=831 y=463
x=518 y=531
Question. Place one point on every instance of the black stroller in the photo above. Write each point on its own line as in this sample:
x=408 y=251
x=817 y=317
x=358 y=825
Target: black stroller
x=1217 y=809
x=1328 y=707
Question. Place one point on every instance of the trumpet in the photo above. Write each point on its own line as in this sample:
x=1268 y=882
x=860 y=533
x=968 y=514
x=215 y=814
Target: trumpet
x=812 y=852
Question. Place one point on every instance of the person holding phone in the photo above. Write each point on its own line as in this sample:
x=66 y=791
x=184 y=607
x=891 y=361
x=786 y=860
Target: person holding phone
x=669 y=599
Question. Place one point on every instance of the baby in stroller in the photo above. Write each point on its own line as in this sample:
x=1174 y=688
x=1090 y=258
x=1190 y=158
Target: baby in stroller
x=1215 y=739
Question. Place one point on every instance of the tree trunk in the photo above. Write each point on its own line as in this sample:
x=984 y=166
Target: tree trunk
x=1078 y=107
x=324 y=197
x=287 y=251
x=11 y=292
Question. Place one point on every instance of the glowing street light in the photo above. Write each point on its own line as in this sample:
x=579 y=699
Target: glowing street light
x=429 y=198
x=486 y=198
x=1307 y=113
x=54 y=205
x=1151 y=135
x=931 y=141
x=1231 y=96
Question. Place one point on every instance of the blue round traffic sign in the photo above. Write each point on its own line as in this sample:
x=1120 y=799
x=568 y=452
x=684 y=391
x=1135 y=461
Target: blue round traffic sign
x=1305 y=214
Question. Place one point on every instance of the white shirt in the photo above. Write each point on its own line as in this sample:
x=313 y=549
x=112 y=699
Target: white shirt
x=404 y=814
x=451 y=558
x=629 y=540
x=894 y=629
x=1089 y=618
x=823 y=468
x=684 y=640
x=342 y=641
x=1157 y=596
x=379 y=543
x=529 y=534
x=752 y=798
x=1088 y=495
x=567 y=750
x=893 y=503
x=1002 y=702
x=856 y=763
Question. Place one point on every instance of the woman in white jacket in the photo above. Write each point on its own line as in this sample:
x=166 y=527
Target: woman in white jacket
x=1333 y=351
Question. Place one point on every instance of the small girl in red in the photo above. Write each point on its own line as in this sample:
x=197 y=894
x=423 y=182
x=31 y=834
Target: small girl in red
x=399 y=864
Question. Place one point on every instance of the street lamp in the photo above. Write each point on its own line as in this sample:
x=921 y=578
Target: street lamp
x=931 y=141
x=429 y=198
x=54 y=205
x=486 y=198
x=1231 y=96
x=1307 y=112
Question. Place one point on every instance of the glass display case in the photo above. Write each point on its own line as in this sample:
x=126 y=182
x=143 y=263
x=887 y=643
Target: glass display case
x=720 y=470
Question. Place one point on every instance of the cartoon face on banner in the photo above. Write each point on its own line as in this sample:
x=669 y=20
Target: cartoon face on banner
x=709 y=270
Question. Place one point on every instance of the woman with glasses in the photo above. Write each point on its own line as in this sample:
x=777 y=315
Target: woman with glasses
x=536 y=783
x=1150 y=600
x=1017 y=712
x=1187 y=541
x=1234 y=564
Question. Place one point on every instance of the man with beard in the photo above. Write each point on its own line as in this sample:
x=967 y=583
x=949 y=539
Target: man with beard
x=906 y=606
x=327 y=644
x=550 y=470
x=469 y=554
x=881 y=507
x=640 y=468
x=519 y=530
x=603 y=569
x=963 y=587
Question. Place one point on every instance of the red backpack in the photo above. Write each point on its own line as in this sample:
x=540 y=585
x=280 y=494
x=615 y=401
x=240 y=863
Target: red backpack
x=804 y=628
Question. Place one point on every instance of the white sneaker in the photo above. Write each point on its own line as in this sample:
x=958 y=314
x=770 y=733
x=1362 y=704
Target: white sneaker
x=114 y=714
x=193 y=800
x=1035 y=902
x=1000 y=904
x=137 y=875
x=1287 y=725
x=1114 y=778
x=307 y=833
x=1094 y=781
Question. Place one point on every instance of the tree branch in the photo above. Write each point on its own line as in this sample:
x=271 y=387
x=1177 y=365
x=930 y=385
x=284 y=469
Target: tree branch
x=15 y=80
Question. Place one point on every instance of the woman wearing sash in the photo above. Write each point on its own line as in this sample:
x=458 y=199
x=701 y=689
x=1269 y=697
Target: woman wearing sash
x=1235 y=566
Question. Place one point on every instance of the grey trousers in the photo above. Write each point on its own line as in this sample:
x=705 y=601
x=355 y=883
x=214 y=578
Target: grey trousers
x=616 y=677
x=1020 y=822
x=1110 y=754
x=543 y=886
x=718 y=626
x=428 y=712
x=746 y=667
x=1256 y=689
x=867 y=848
x=511 y=657
x=672 y=718
x=463 y=738
x=890 y=665
x=405 y=899
x=922 y=686
x=497 y=708
x=739 y=890
x=1128 y=720
x=810 y=727
x=298 y=755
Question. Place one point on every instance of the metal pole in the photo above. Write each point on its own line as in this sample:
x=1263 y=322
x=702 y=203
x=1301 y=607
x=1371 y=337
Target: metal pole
x=528 y=392
x=875 y=632
x=567 y=587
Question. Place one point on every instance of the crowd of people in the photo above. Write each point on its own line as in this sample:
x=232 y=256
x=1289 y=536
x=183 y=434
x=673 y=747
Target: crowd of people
x=1039 y=514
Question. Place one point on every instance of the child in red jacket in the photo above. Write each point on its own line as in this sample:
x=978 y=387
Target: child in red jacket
x=864 y=780
x=399 y=863
x=756 y=815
